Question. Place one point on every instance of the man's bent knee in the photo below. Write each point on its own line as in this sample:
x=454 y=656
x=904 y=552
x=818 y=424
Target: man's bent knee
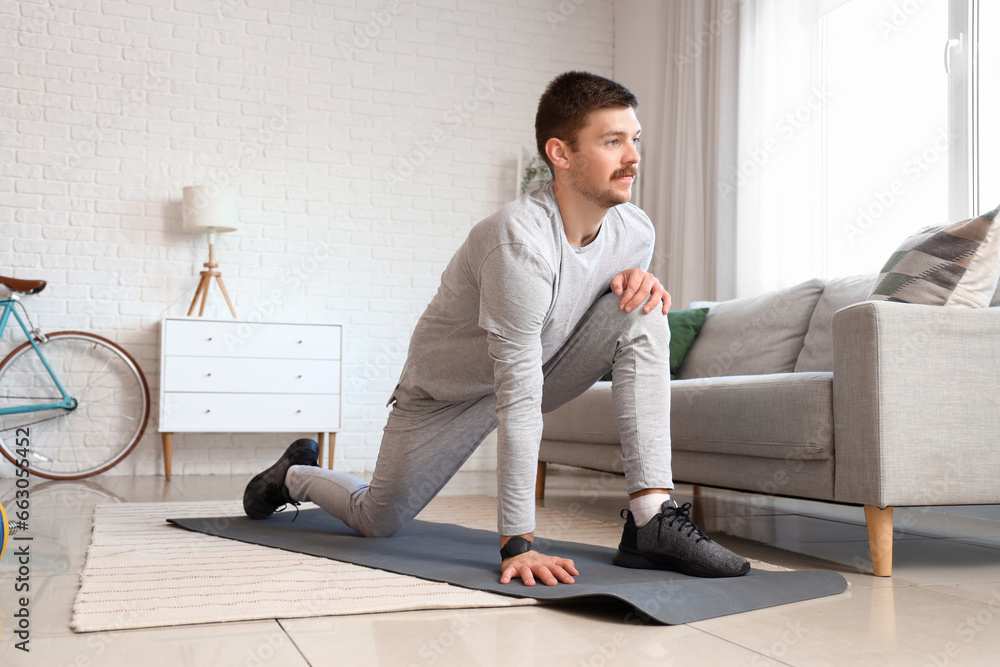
x=654 y=325
x=636 y=320
x=381 y=523
x=385 y=530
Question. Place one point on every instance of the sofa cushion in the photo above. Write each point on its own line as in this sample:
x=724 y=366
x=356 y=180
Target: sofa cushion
x=817 y=350
x=582 y=455
x=779 y=416
x=589 y=417
x=812 y=479
x=753 y=336
x=947 y=265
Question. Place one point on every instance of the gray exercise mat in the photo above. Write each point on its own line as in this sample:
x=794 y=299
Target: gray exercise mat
x=470 y=558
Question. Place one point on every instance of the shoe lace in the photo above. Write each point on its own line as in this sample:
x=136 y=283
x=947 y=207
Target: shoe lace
x=278 y=498
x=285 y=506
x=680 y=517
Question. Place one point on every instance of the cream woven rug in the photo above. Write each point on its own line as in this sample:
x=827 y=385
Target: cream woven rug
x=142 y=572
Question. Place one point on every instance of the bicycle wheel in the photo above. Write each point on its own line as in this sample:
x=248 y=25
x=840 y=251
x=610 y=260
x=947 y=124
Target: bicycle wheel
x=106 y=424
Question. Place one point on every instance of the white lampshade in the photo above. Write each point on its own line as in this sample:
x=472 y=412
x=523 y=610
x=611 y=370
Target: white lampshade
x=210 y=208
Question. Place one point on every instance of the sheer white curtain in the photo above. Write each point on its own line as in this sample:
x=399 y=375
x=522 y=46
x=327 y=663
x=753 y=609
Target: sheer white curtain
x=679 y=58
x=777 y=182
x=816 y=125
x=843 y=136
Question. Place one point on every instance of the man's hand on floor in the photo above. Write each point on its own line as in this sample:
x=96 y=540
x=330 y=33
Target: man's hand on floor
x=634 y=286
x=531 y=565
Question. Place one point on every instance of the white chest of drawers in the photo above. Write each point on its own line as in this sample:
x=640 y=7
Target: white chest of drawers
x=232 y=376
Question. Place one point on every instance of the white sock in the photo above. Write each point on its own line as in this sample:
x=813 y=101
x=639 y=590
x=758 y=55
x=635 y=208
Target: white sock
x=645 y=507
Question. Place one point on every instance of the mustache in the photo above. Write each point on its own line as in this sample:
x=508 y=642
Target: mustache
x=627 y=171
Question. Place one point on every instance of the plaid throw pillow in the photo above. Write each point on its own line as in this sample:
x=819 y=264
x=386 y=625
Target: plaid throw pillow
x=947 y=265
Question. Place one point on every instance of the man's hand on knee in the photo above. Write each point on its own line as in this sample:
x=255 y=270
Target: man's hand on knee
x=531 y=565
x=635 y=286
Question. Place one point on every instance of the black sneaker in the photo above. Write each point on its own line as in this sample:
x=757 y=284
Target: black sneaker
x=267 y=491
x=671 y=541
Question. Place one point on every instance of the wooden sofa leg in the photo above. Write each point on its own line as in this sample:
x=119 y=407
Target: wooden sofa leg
x=880 y=539
x=540 y=480
x=697 y=511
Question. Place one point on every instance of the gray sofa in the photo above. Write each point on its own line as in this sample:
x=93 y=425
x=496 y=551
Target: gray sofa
x=813 y=392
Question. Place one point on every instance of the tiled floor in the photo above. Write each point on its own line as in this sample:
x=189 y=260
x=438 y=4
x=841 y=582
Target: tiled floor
x=942 y=607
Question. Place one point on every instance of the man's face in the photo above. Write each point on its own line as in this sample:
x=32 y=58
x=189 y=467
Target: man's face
x=604 y=164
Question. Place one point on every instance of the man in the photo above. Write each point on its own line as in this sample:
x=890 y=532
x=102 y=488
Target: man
x=543 y=298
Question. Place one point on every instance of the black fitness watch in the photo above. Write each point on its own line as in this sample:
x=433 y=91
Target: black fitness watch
x=515 y=547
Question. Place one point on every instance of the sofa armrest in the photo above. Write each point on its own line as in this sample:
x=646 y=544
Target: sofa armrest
x=916 y=396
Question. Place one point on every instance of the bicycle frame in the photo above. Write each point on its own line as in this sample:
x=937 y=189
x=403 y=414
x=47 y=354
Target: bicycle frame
x=67 y=402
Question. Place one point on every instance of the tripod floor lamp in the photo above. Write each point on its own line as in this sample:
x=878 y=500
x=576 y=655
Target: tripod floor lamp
x=211 y=209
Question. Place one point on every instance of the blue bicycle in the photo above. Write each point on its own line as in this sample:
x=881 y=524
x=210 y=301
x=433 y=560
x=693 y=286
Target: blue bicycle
x=72 y=404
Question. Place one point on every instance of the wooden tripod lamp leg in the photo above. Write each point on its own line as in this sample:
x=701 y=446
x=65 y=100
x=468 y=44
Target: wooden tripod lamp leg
x=222 y=286
x=204 y=294
x=200 y=292
x=206 y=281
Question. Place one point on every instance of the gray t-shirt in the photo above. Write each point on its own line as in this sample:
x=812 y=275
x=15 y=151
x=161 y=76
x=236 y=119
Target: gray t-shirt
x=509 y=299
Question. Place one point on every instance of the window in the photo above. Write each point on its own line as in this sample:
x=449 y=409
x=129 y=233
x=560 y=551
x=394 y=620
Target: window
x=988 y=103
x=886 y=129
x=852 y=135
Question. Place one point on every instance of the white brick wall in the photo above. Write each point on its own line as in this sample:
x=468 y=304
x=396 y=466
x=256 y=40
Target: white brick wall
x=365 y=138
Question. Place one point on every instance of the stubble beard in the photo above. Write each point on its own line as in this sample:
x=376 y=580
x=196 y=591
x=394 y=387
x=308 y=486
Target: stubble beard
x=606 y=197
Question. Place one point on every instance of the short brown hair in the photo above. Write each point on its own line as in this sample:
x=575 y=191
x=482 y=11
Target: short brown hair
x=566 y=102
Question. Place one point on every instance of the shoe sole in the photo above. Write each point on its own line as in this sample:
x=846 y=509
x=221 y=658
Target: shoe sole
x=249 y=498
x=637 y=561
x=259 y=516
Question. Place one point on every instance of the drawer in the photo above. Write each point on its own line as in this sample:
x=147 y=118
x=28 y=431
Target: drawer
x=272 y=376
x=246 y=339
x=265 y=413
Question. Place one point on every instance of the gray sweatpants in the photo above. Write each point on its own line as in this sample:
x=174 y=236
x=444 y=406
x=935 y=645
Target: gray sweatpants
x=426 y=441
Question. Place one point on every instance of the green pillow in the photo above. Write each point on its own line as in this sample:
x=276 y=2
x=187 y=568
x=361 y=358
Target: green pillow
x=684 y=327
